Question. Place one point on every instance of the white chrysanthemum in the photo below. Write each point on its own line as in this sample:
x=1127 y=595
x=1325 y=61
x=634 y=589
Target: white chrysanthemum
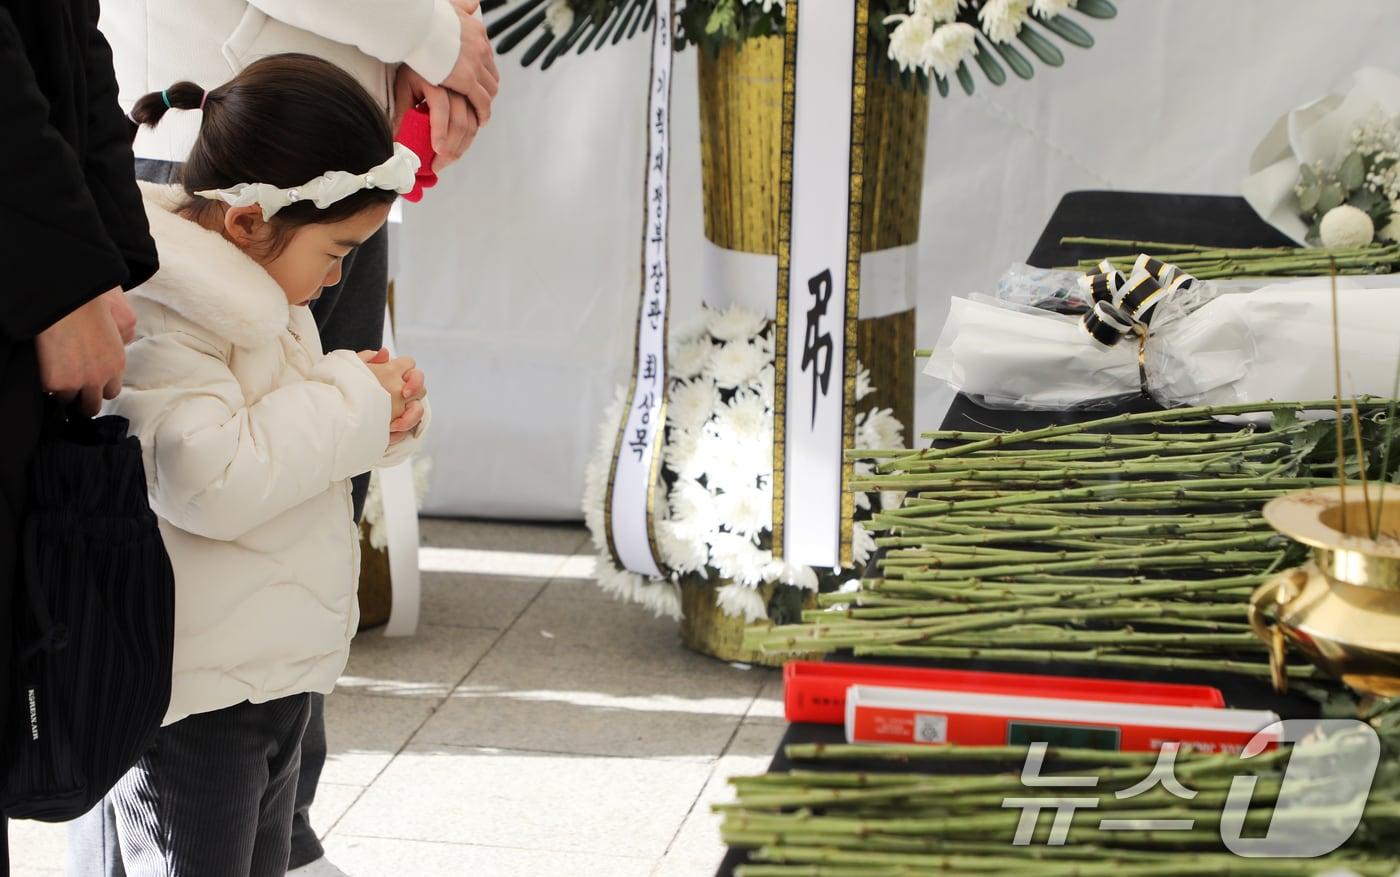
x=737 y=558
x=862 y=544
x=891 y=499
x=1052 y=8
x=741 y=601
x=746 y=418
x=736 y=323
x=951 y=45
x=764 y=383
x=724 y=465
x=766 y=343
x=863 y=386
x=766 y=4
x=1391 y=231
x=681 y=454
x=691 y=403
x=736 y=364
x=879 y=430
x=938 y=11
x=692 y=358
x=374 y=501
x=747 y=512
x=620 y=583
x=662 y=598
x=790 y=574
x=909 y=40
x=693 y=510
x=684 y=550
x=559 y=17
x=1002 y=19
x=1346 y=226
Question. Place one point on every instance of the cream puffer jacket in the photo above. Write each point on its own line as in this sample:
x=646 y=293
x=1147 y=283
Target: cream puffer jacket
x=250 y=436
x=156 y=43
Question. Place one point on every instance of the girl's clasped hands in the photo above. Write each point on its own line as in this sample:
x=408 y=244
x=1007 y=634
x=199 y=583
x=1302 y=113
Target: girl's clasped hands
x=404 y=382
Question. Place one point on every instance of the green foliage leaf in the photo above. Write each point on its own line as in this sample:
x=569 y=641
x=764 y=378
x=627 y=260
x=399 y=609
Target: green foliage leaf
x=1331 y=196
x=1308 y=198
x=1352 y=173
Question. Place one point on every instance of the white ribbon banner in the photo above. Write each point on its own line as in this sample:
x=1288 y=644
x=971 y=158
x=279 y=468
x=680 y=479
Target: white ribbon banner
x=818 y=278
x=637 y=453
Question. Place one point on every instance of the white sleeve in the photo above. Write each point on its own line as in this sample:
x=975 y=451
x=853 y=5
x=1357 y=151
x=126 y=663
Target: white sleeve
x=400 y=452
x=218 y=467
x=424 y=34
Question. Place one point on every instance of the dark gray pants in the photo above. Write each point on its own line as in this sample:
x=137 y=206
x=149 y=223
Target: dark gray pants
x=350 y=316
x=213 y=797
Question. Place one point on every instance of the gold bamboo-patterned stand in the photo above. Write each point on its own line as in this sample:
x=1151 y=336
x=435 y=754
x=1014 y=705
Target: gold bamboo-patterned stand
x=741 y=117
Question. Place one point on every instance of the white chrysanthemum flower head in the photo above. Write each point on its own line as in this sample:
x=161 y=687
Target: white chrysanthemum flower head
x=683 y=549
x=1002 y=19
x=951 y=45
x=681 y=455
x=662 y=598
x=863 y=386
x=1346 y=226
x=738 y=559
x=909 y=40
x=736 y=323
x=765 y=382
x=741 y=601
x=862 y=544
x=891 y=499
x=691 y=358
x=747 y=511
x=938 y=11
x=620 y=583
x=691 y=403
x=1052 y=8
x=736 y=364
x=725 y=465
x=559 y=17
x=746 y=418
x=693 y=509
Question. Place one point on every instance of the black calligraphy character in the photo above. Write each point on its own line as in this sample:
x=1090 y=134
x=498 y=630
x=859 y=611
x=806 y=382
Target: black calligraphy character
x=649 y=370
x=639 y=444
x=819 y=349
x=659 y=160
x=654 y=311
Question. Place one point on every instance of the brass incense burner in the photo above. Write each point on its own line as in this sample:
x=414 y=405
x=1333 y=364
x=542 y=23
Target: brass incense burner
x=1342 y=607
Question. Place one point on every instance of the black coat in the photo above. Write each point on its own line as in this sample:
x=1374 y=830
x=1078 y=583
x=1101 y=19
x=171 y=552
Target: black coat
x=71 y=221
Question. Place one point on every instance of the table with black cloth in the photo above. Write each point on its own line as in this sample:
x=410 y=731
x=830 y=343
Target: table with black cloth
x=1141 y=216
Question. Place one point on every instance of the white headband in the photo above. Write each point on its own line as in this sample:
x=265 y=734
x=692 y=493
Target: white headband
x=396 y=174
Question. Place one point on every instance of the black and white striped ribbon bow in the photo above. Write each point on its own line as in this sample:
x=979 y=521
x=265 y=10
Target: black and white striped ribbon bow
x=1125 y=305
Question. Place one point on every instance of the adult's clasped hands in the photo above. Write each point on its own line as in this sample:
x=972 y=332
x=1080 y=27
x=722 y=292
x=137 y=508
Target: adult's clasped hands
x=461 y=104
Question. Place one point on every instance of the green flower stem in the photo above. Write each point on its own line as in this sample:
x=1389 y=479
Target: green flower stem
x=1120 y=420
x=1244 y=489
x=1259 y=669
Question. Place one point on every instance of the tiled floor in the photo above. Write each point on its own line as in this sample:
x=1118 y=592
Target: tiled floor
x=532 y=727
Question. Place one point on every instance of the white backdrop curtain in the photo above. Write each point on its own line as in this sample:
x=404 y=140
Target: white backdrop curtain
x=518 y=275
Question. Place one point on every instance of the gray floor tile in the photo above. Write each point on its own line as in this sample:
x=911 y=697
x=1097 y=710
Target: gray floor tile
x=607 y=806
x=476 y=601
x=364 y=733
x=502 y=535
x=559 y=631
x=428 y=664
x=37 y=845
x=619 y=712
x=697 y=848
x=768 y=706
x=375 y=857
x=332 y=800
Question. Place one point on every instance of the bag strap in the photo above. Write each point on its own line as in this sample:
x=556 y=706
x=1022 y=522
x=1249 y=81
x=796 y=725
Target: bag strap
x=53 y=636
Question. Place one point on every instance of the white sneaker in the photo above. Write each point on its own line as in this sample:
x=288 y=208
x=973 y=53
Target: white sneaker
x=322 y=867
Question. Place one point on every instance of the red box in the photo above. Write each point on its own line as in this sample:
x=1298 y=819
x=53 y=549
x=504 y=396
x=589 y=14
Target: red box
x=815 y=691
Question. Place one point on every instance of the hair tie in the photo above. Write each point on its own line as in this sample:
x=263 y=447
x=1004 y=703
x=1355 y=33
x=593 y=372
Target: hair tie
x=165 y=96
x=202 y=98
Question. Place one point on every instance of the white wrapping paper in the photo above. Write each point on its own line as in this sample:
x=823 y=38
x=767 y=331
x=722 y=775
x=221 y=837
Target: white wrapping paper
x=1271 y=344
x=1317 y=131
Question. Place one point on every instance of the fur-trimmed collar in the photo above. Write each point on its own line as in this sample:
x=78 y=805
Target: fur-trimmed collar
x=208 y=280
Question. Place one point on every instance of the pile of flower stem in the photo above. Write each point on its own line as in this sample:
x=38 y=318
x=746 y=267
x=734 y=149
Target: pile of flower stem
x=1207 y=262
x=1080 y=543
x=952 y=820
